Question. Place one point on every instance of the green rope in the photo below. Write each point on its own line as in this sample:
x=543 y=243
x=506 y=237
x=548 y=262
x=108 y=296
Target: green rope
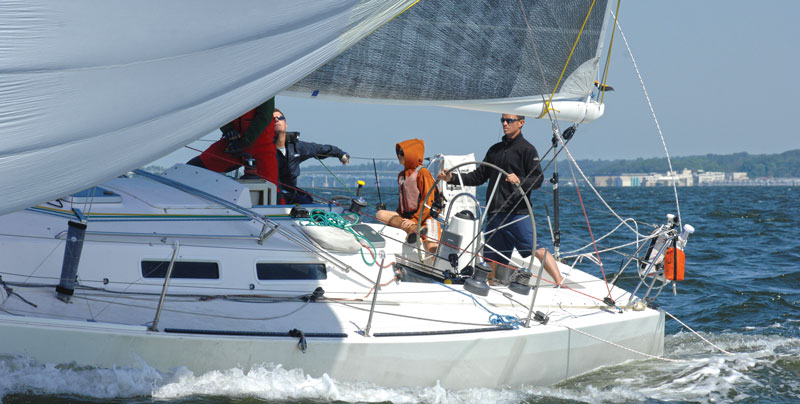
x=319 y=217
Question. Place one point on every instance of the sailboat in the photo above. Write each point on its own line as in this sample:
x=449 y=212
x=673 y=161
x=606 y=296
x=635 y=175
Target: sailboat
x=196 y=269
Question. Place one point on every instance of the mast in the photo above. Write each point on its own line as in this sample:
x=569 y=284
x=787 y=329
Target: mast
x=554 y=181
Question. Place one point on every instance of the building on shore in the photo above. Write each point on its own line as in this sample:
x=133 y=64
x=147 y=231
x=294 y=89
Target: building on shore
x=736 y=176
x=706 y=177
x=687 y=178
x=682 y=179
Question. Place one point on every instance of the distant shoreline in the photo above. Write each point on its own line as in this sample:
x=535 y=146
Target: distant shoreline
x=781 y=169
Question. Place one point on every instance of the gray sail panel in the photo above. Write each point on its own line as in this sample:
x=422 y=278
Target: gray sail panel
x=476 y=50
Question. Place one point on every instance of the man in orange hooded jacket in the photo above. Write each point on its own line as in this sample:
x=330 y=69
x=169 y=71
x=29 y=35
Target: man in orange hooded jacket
x=414 y=182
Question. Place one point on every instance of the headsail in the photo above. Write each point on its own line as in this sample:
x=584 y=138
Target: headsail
x=91 y=89
x=486 y=55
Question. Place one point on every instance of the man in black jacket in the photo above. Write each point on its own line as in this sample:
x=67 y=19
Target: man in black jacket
x=291 y=152
x=508 y=212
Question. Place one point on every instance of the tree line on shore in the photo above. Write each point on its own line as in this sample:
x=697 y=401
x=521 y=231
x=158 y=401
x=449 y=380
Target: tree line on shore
x=786 y=164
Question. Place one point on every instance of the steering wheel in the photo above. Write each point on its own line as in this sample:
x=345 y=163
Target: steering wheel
x=482 y=223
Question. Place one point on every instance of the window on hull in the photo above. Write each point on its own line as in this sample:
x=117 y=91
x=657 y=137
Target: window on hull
x=182 y=270
x=275 y=271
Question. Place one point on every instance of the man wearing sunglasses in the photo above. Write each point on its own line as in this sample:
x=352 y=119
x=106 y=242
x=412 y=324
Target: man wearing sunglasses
x=248 y=135
x=508 y=213
x=291 y=152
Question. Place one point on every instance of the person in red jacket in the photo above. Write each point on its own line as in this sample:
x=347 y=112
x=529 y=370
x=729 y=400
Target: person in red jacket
x=251 y=135
x=414 y=182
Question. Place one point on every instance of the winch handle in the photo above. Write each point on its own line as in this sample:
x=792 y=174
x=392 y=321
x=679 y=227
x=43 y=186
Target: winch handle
x=360 y=185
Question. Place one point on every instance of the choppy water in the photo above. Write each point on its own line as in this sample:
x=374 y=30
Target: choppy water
x=742 y=293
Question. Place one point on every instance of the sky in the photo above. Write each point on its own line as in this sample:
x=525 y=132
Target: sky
x=720 y=75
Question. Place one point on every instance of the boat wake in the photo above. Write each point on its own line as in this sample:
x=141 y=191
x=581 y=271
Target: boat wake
x=22 y=375
x=702 y=375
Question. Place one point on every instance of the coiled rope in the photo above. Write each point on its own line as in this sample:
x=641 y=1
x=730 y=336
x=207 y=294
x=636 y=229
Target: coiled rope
x=319 y=217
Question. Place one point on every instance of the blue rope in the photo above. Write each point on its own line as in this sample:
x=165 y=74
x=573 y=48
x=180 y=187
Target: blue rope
x=319 y=217
x=494 y=318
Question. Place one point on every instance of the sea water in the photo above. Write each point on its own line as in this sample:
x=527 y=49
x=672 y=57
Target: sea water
x=742 y=293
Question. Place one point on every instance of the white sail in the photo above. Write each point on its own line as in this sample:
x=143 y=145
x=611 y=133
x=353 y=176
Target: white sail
x=91 y=89
x=491 y=56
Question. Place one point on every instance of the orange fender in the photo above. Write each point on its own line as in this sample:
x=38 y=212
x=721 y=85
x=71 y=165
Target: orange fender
x=674 y=262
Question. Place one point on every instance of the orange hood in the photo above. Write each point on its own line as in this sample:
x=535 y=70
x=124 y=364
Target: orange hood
x=414 y=151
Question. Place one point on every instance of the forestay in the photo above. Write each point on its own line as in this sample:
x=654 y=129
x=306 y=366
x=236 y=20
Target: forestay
x=91 y=89
x=493 y=56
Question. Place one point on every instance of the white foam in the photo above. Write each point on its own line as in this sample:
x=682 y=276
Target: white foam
x=704 y=375
x=272 y=382
x=19 y=374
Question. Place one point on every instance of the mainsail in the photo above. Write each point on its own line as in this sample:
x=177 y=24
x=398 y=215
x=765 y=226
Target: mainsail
x=91 y=89
x=500 y=56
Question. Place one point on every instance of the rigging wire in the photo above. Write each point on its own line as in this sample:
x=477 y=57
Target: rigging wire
x=607 y=235
x=608 y=57
x=233 y=161
x=589 y=227
x=556 y=130
x=373 y=158
x=655 y=119
x=574 y=163
x=598 y=210
x=194 y=313
x=377 y=183
x=334 y=175
x=546 y=109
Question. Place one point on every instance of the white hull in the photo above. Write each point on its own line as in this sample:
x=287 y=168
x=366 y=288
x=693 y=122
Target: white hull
x=421 y=333
x=539 y=355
